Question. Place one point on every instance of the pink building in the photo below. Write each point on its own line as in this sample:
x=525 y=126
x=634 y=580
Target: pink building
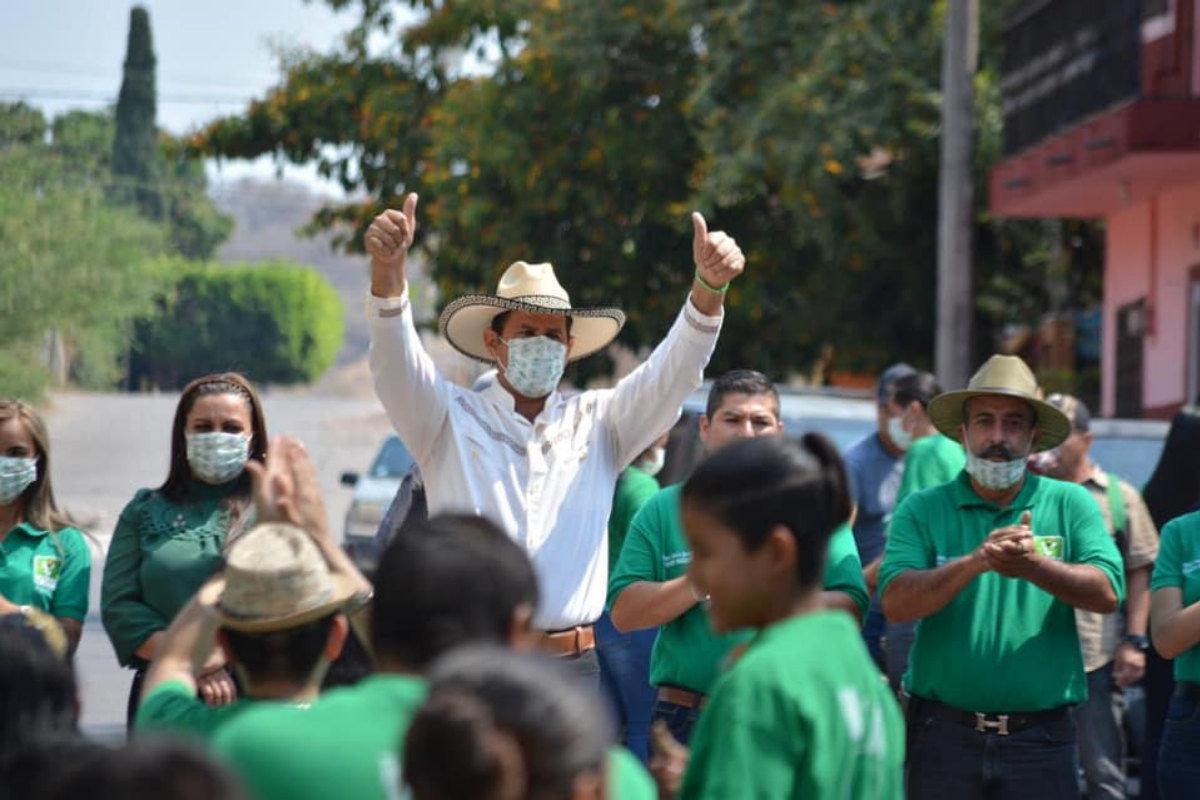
x=1102 y=119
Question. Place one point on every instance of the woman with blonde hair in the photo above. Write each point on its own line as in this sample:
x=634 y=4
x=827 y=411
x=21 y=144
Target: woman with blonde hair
x=170 y=540
x=45 y=562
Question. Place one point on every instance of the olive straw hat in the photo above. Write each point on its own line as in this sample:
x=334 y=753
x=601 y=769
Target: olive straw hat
x=1003 y=376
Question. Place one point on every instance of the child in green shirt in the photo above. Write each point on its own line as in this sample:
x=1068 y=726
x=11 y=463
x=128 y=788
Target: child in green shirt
x=803 y=713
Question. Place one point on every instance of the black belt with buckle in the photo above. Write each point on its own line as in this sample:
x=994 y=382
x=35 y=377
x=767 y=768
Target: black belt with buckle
x=1000 y=724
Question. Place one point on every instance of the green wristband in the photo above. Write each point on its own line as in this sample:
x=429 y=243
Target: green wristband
x=709 y=286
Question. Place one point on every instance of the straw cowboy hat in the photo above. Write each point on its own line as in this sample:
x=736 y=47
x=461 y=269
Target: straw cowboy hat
x=1005 y=376
x=275 y=578
x=532 y=288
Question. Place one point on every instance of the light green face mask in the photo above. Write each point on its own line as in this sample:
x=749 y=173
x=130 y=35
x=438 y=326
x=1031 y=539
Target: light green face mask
x=217 y=458
x=535 y=365
x=997 y=475
x=16 y=475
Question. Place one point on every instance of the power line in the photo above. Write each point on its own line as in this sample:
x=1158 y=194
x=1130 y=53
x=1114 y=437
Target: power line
x=84 y=96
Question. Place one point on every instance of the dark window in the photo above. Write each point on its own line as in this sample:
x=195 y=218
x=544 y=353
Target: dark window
x=1131 y=333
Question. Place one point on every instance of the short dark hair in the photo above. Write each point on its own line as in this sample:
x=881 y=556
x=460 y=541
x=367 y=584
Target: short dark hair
x=754 y=485
x=498 y=321
x=37 y=686
x=288 y=655
x=160 y=768
x=448 y=581
x=740 y=381
x=479 y=697
x=920 y=386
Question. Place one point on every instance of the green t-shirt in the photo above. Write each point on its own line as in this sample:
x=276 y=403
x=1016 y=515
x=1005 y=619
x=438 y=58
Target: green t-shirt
x=930 y=461
x=634 y=488
x=687 y=653
x=173 y=708
x=1002 y=645
x=1178 y=567
x=346 y=744
x=802 y=714
x=627 y=778
x=161 y=553
x=37 y=572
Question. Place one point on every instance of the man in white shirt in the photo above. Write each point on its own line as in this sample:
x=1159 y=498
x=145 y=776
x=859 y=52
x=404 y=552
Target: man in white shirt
x=541 y=465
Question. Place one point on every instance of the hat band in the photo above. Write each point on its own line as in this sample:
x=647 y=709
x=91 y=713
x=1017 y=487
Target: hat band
x=321 y=598
x=544 y=300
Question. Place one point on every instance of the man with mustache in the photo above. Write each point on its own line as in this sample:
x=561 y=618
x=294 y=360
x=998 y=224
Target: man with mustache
x=994 y=565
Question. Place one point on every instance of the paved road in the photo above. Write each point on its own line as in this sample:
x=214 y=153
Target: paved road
x=107 y=446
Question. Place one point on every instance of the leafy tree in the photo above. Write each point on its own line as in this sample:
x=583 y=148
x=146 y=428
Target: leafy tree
x=808 y=130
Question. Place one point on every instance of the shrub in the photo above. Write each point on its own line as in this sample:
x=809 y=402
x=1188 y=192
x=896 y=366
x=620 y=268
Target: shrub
x=276 y=321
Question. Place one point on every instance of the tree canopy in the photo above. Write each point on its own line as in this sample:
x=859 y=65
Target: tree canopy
x=583 y=133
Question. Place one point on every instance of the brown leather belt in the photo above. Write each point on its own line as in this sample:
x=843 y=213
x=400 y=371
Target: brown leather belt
x=571 y=642
x=681 y=697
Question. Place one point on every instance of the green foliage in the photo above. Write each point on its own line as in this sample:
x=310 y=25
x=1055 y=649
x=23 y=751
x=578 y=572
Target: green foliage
x=808 y=130
x=135 y=154
x=74 y=266
x=277 y=322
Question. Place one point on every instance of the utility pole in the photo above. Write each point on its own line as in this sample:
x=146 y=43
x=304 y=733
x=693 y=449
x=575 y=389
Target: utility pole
x=956 y=269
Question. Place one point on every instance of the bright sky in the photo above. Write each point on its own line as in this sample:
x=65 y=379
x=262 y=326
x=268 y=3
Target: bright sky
x=213 y=56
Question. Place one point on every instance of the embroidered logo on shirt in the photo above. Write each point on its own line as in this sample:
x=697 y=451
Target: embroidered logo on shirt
x=1049 y=546
x=1191 y=566
x=46 y=570
x=677 y=559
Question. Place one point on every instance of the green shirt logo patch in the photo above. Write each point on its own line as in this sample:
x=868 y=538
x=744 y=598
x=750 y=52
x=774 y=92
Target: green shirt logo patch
x=46 y=570
x=1049 y=546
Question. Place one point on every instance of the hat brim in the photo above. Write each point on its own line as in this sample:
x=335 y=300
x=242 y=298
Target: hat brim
x=946 y=414
x=464 y=321
x=343 y=591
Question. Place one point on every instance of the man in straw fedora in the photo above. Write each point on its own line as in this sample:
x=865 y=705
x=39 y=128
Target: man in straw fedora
x=540 y=464
x=276 y=610
x=993 y=564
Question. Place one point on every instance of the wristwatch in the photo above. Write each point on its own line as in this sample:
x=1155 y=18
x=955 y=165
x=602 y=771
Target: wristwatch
x=1137 y=640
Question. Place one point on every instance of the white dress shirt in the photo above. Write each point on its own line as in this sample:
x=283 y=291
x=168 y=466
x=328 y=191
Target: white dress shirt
x=549 y=483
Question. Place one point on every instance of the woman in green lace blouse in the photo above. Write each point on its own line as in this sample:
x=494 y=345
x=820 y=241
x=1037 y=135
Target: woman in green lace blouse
x=45 y=563
x=170 y=540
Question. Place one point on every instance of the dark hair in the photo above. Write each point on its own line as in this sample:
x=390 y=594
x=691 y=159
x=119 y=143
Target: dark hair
x=739 y=381
x=444 y=582
x=160 y=768
x=920 y=386
x=1174 y=487
x=753 y=485
x=510 y=724
x=888 y=378
x=497 y=324
x=286 y=655
x=174 y=488
x=37 y=687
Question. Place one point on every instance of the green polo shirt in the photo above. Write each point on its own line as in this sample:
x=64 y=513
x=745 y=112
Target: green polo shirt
x=627 y=778
x=930 y=461
x=1178 y=567
x=53 y=577
x=1003 y=644
x=634 y=488
x=802 y=714
x=347 y=743
x=173 y=708
x=687 y=653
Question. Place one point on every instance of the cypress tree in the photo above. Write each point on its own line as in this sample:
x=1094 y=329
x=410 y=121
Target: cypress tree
x=135 y=162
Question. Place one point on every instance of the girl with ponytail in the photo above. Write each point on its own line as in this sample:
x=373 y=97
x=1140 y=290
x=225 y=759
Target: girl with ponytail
x=803 y=712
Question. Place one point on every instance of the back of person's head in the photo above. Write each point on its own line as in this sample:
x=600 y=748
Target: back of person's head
x=289 y=655
x=448 y=581
x=500 y=725
x=754 y=486
x=159 y=769
x=920 y=387
x=1174 y=487
x=739 y=381
x=37 y=686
